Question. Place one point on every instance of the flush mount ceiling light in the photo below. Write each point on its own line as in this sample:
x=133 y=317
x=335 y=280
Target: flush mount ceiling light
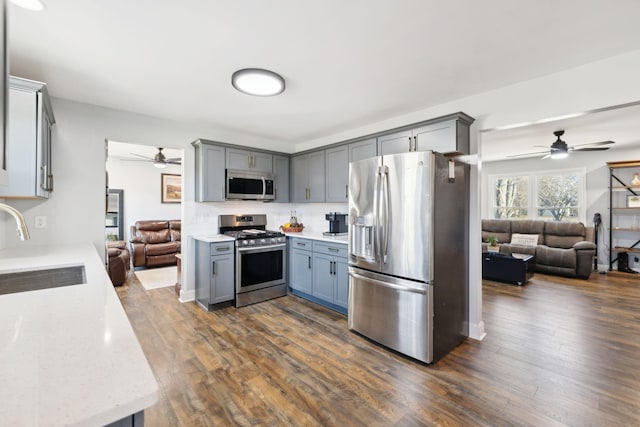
x=35 y=5
x=257 y=82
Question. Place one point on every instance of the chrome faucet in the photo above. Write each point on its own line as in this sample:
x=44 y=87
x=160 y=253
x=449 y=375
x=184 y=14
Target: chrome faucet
x=22 y=230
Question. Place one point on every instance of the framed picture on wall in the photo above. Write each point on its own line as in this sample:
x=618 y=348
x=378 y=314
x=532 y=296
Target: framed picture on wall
x=171 y=188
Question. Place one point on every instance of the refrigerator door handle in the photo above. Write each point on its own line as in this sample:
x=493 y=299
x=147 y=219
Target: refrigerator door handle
x=388 y=285
x=386 y=214
x=376 y=214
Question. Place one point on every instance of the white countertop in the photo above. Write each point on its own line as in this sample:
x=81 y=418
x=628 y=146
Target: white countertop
x=68 y=355
x=319 y=236
x=213 y=238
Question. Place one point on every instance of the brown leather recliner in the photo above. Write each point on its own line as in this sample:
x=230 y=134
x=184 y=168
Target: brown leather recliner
x=119 y=262
x=155 y=243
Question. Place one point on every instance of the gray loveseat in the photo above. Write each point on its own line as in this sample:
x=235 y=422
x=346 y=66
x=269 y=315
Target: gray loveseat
x=564 y=249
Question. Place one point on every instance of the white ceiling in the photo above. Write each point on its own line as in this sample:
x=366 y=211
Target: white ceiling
x=346 y=63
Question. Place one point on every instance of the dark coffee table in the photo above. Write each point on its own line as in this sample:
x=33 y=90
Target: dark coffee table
x=508 y=268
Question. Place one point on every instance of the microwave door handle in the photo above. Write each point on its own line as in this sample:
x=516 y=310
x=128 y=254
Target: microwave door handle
x=264 y=187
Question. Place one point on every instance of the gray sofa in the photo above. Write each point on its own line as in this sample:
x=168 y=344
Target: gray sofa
x=564 y=249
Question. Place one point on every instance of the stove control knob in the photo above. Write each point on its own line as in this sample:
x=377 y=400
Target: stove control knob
x=263 y=241
x=251 y=242
x=245 y=242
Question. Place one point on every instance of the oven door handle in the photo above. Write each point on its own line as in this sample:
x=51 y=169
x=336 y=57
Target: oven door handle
x=262 y=248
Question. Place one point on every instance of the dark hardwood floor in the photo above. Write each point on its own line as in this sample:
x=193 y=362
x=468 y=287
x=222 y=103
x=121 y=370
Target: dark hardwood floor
x=557 y=352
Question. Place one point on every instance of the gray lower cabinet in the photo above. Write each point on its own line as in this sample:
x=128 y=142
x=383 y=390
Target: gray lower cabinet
x=210 y=170
x=363 y=149
x=307 y=177
x=300 y=269
x=215 y=273
x=318 y=272
x=281 y=171
x=28 y=146
x=337 y=174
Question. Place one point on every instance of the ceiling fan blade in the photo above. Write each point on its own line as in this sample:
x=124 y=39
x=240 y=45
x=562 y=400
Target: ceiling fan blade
x=528 y=154
x=595 y=143
x=137 y=160
x=144 y=157
x=174 y=163
x=175 y=159
x=590 y=149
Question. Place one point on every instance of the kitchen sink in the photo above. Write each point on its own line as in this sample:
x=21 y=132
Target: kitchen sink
x=34 y=280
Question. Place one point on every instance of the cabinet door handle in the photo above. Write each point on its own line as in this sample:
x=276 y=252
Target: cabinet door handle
x=43 y=177
x=415 y=143
x=409 y=144
x=220 y=249
x=301 y=244
x=334 y=249
x=346 y=191
x=309 y=263
x=213 y=268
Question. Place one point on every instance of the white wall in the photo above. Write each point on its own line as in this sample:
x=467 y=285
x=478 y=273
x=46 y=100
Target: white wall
x=76 y=210
x=597 y=184
x=141 y=184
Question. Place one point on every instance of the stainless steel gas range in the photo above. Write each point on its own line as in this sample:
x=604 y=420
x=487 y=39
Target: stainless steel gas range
x=261 y=258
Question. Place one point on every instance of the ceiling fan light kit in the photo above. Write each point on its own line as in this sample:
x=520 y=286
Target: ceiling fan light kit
x=258 y=82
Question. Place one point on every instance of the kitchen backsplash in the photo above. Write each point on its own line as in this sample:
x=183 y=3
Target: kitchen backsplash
x=310 y=214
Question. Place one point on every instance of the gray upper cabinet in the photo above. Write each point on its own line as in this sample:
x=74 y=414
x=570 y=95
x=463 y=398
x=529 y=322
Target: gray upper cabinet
x=394 y=143
x=363 y=149
x=281 y=171
x=249 y=160
x=439 y=137
x=28 y=148
x=210 y=162
x=307 y=173
x=447 y=135
x=337 y=174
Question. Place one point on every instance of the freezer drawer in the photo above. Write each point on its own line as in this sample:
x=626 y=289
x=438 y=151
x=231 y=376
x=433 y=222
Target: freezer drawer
x=394 y=312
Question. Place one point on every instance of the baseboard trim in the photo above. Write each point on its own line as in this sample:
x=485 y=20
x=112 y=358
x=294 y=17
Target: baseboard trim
x=187 y=296
x=476 y=331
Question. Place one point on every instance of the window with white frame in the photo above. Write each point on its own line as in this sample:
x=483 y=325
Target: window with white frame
x=557 y=195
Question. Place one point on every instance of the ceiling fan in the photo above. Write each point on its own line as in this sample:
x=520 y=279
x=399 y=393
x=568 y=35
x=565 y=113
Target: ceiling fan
x=560 y=150
x=159 y=160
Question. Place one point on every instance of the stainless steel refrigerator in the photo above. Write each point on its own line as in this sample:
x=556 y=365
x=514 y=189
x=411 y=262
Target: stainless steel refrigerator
x=408 y=252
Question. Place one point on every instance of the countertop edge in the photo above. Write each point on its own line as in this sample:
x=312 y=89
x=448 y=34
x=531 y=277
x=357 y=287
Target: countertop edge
x=343 y=240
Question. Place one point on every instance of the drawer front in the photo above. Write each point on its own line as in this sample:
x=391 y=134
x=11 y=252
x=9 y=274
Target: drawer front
x=221 y=248
x=335 y=249
x=298 y=243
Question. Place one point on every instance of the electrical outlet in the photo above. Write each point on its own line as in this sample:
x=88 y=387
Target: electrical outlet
x=41 y=222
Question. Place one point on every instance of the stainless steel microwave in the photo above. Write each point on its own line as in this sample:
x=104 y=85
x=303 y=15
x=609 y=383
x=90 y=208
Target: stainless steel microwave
x=248 y=185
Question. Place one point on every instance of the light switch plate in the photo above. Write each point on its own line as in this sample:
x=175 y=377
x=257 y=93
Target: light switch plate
x=41 y=221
